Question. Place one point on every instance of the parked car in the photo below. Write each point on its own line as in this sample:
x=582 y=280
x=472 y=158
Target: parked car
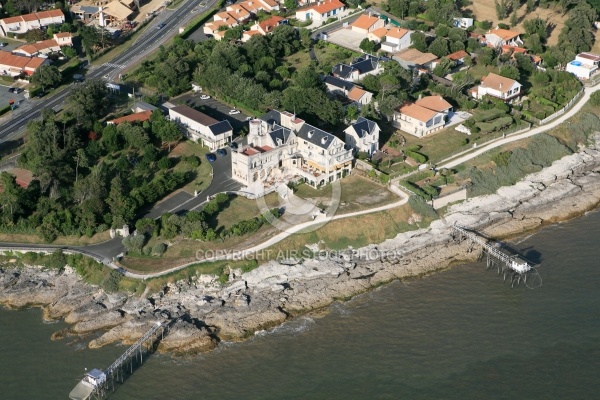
x=221 y=152
x=233 y=145
x=161 y=25
x=204 y=97
x=3 y=44
x=234 y=112
x=211 y=157
x=209 y=35
x=11 y=90
x=18 y=90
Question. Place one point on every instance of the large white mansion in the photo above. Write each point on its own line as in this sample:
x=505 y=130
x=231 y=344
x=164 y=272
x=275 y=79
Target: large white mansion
x=282 y=146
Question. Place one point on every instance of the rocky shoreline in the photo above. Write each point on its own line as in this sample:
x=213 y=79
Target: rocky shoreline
x=203 y=312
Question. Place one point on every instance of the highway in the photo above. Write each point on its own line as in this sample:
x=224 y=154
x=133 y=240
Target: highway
x=149 y=40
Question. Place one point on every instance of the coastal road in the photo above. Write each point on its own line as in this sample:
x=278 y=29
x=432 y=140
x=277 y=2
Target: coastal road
x=149 y=41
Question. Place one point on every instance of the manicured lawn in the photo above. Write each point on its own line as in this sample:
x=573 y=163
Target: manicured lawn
x=241 y=208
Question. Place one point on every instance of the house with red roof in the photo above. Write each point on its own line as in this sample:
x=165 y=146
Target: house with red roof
x=321 y=11
x=135 y=117
x=15 y=65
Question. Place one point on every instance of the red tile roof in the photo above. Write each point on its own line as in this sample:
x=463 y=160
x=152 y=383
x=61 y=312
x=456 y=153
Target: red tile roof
x=137 y=117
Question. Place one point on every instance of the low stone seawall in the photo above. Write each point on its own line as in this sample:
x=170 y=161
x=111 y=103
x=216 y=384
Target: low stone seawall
x=274 y=292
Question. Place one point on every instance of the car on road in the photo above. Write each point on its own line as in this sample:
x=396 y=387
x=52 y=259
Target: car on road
x=234 y=112
x=204 y=97
x=3 y=44
x=194 y=10
x=233 y=145
x=203 y=4
x=221 y=152
x=161 y=25
x=211 y=157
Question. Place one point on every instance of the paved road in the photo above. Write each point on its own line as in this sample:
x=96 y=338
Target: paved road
x=151 y=39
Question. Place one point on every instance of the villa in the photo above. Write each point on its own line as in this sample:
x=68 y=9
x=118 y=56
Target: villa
x=497 y=86
x=282 y=146
x=363 y=136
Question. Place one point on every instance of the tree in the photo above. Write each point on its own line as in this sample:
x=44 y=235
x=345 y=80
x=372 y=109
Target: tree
x=502 y=8
x=290 y=5
x=68 y=51
x=134 y=243
x=368 y=46
x=443 y=67
x=46 y=75
x=169 y=132
x=352 y=112
x=442 y=30
x=388 y=105
x=508 y=71
x=418 y=41
x=595 y=99
x=35 y=35
x=89 y=102
x=81 y=160
x=536 y=26
x=439 y=47
x=10 y=197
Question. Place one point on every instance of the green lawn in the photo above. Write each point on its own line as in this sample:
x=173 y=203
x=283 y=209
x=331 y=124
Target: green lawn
x=202 y=172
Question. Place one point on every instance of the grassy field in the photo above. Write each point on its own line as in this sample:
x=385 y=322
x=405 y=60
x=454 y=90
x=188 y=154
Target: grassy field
x=485 y=10
x=202 y=172
x=62 y=240
x=358 y=193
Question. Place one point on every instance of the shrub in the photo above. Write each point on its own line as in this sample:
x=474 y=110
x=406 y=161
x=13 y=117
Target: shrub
x=421 y=207
x=418 y=157
x=110 y=283
x=159 y=249
x=488 y=115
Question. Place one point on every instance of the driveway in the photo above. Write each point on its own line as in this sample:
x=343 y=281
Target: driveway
x=215 y=109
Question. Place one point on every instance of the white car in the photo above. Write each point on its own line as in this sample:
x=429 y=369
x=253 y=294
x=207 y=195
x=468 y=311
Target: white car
x=204 y=97
x=233 y=112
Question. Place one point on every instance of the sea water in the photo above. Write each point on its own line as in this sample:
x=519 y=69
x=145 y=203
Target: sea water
x=458 y=334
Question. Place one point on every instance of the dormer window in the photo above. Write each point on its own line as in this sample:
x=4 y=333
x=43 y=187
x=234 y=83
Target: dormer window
x=324 y=140
x=310 y=134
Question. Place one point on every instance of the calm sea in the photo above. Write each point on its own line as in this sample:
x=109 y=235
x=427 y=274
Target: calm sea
x=459 y=334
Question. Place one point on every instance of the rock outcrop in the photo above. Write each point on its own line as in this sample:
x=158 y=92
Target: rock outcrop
x=202 y=312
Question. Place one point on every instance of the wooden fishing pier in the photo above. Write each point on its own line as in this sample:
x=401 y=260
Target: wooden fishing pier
x=96 y=383
x=512 y=266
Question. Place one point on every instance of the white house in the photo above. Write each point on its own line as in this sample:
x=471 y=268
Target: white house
x=359 y=68
x=201 y=127
x=462 y=23
x=360 y=96
x=363 y=135
x=498 y=86
x=413 y=58
x=584 y=65
x=23 y=23
x=418 y=120
x=282 y=146
x=367 y=23
x=396 y=39
x=321 y=11
x=501 y=37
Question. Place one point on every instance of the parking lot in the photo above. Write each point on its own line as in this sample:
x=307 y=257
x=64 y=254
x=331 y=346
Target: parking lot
x=5 y=96
x=347 y=38
x=215 y=109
